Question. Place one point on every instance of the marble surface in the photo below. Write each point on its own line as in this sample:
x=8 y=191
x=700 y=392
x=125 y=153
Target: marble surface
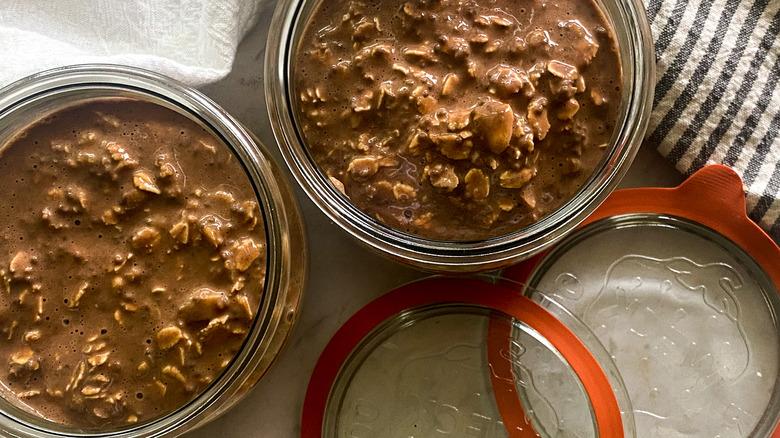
x=343 y=275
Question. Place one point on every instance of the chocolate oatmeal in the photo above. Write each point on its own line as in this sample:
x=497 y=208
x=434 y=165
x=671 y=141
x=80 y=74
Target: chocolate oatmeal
x=132 y=262
x=457 y=119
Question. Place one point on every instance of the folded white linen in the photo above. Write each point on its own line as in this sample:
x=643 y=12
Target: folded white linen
x=193 y=41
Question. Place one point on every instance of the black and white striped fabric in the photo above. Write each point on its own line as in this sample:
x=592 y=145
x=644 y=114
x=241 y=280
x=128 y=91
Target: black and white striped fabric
x=717 y=98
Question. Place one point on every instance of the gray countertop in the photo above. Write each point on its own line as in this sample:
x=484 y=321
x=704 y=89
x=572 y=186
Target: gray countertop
x=343 y=275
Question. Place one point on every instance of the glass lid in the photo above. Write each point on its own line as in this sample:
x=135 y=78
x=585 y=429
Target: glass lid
x=687 y=314
x=463 y=357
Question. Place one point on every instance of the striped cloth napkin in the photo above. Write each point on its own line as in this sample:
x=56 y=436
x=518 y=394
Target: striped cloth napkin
x=717 y=98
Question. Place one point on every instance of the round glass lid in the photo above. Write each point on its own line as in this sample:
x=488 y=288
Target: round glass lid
x=681 y=287
x=688 y=317
x=462 y=357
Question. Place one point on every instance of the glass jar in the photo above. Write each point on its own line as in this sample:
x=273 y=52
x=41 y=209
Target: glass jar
x=30 y=99
x=634 y=41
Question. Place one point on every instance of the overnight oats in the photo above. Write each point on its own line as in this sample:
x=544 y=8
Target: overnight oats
x=457 y=120
x=132 y=262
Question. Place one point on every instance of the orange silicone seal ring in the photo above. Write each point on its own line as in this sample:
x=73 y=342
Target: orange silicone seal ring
x=476 y=293
x=712 y=197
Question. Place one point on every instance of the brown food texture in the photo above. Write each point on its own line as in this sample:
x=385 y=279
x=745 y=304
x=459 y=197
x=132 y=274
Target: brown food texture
x=457 y=119
x=132 y=262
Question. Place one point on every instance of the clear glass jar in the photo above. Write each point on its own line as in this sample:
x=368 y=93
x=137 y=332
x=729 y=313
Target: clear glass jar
x=634 y=41
x=30 y=99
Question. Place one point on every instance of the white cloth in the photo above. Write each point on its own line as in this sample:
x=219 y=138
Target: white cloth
x=193 y=41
